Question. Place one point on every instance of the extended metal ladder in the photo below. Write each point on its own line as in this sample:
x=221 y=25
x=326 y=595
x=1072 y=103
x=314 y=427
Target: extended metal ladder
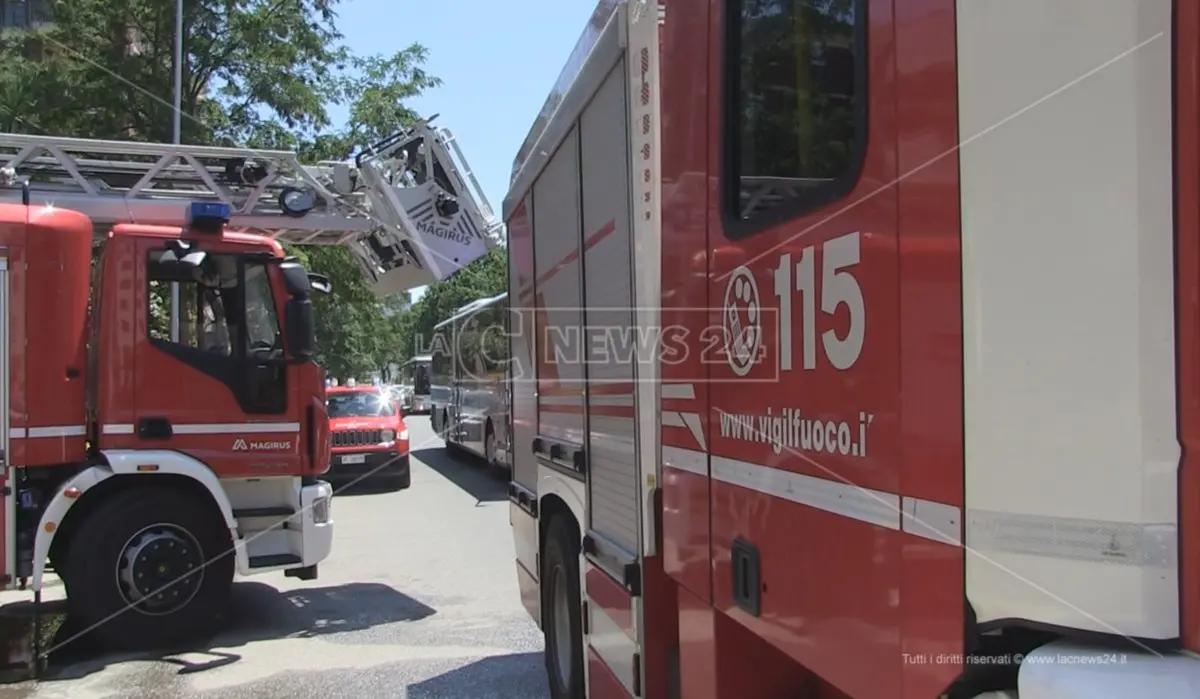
x=406 y=226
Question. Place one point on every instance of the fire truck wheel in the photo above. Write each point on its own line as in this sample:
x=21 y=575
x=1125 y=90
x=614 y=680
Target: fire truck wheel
x=561 y=621
x=149 y=569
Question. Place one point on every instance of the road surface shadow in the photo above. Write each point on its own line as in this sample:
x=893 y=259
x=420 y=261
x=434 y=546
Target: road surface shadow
x=259 y=613
x=517 y=676
x=466 y=471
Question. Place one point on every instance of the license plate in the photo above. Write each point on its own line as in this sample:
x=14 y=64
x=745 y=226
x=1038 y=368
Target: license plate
x=354 y=459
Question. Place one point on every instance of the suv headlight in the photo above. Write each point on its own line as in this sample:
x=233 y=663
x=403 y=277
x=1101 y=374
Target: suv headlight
x=389 y=435
x=404 y=435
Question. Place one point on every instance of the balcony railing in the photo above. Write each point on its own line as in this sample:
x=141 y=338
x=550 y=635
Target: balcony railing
x=25 y=14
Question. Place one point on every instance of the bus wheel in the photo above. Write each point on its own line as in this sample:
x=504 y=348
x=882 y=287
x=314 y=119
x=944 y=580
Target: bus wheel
x=561 y=622
x=489 y=445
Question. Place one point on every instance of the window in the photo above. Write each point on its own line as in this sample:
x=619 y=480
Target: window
x=203 y=324
x=440 y=368
x=262 y=321
x=218 y=313
x=360 y=404
x=795 y=124
x=228 y=327
x=483 y=343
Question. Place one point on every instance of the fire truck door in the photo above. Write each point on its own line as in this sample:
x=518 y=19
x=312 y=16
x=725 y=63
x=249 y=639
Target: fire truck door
x=226 y=346
x=8 y=549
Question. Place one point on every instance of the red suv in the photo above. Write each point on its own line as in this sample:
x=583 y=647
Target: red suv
x=368 y=435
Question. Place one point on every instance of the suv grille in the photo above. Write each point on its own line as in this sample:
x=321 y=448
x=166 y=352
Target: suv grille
x=357 y=438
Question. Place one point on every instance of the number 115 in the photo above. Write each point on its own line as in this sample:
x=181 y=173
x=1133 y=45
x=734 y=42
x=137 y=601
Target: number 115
x=838 y=286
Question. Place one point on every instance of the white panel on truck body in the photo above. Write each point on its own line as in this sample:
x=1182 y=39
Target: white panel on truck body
x=1068 y=313
x=611 y=339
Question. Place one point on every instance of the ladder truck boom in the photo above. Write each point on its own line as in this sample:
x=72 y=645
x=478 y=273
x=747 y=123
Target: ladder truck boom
x=408 y=207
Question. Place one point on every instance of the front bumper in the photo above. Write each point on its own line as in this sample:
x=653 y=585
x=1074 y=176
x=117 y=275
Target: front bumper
x=316 y=529
x=350 y=464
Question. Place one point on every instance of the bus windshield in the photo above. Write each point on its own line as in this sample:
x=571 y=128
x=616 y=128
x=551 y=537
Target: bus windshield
x=360 y=404
x=421 y=379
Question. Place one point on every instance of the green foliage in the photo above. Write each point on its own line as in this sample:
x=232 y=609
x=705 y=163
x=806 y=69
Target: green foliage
x=487 y=276
x=357 y=333
x=257 y=73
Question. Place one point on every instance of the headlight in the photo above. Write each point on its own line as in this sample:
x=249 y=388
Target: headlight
x=320 y=510
x=389 y=435
x=403 y=435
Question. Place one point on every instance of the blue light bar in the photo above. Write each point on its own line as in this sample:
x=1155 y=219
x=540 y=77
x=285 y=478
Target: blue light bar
x=208 y=211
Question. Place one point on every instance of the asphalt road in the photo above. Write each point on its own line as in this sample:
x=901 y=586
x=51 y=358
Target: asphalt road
x=419 y=600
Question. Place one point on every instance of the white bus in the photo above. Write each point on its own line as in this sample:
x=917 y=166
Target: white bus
x=415 y=381
x=470 y=369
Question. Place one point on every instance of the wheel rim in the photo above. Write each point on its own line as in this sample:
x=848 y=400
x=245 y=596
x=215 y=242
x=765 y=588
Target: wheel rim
x=160 y=569
x=562 y=628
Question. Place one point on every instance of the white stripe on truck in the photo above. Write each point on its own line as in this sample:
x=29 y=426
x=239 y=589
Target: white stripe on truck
x=215 y=428
x=42 y=432
x=925 y=518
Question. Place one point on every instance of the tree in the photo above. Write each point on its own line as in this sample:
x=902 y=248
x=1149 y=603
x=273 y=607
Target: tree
x=357 y=333
x=257 y=73
x=485 y=277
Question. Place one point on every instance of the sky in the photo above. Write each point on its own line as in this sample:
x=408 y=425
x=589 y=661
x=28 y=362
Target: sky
x=497 y=63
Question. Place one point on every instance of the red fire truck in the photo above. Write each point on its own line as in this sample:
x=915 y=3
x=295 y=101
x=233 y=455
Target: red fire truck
x=165 y=423
x=857 y=351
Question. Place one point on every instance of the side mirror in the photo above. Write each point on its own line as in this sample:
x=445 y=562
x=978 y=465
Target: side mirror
x=301 y=331
x=301 y=282
x=320 y=283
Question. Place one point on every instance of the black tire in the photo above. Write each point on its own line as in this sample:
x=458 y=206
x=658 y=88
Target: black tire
x=560 y=566
x=400 y=481
x=489 y=450
x=452 y=447
x=94 y=593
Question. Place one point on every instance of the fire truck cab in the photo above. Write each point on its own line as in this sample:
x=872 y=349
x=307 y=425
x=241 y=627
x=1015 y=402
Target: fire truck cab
x=857 y=351
x=172 y=429
x=151 y=452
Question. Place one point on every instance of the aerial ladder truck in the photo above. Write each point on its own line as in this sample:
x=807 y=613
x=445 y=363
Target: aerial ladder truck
x=162 y=422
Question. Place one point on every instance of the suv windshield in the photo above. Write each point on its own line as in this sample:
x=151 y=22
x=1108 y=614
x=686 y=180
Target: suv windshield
x=360 y=404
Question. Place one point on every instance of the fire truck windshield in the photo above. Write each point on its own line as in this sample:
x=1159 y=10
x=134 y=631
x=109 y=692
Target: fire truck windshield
x=262 y=323
x=360 y=404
